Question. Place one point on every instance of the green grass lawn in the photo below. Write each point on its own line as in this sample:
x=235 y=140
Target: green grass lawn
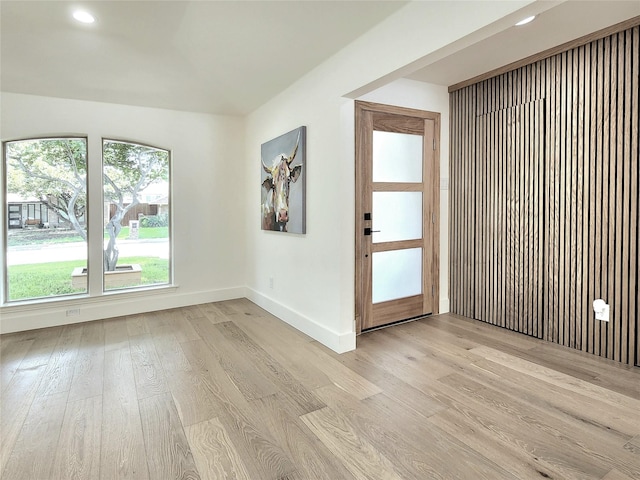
x=47 y=236
x=144 y=233
x=51 y=279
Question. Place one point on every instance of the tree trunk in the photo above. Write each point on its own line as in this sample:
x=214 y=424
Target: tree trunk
x=111 y=252
x=114 y=226
x=72 y=215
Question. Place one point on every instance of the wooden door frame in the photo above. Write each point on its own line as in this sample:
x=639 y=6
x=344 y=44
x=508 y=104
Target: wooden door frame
x=432 y=170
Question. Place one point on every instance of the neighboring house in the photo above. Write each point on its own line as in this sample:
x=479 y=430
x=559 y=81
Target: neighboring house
x=154 y=200
x=31 y=212
x=140 y=210
x=163 y=205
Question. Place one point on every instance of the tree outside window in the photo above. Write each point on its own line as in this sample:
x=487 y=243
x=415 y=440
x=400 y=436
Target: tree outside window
x=46 y=206
x=45 y=175
x=130 y=171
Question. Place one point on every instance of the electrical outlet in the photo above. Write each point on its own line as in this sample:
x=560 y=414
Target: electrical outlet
x=601 y=309
x=270 y=282
x=603 y=315
x=73 y=312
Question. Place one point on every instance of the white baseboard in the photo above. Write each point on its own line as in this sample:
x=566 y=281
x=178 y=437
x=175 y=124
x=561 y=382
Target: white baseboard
x=337 y=342
x=17 y=318
x=443 y=306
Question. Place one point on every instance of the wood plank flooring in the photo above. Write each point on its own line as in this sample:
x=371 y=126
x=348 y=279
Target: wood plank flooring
x=227 y=391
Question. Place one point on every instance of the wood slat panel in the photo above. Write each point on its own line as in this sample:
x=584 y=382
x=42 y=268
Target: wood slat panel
x=480 y=227
x=592 y=115
x=599 y=178
x=575 y=204
x=454 y=228
x=624 y=125
x=550 y=210
x=519 y=157
x=634 y=258
x=608 y=209
x=615 y=287
x=558 y=203
x=549 y=154
x=583 y=200
x=466 y=241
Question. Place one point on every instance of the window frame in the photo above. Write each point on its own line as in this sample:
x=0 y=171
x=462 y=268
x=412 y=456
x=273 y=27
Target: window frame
x=89 y=295
x=4 y=283
x=170 y=279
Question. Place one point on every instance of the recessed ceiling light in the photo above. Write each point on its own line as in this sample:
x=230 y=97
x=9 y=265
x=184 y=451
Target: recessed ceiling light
x=525 y=21
x=84 y=17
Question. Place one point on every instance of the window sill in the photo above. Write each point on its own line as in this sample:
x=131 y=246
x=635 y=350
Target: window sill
x=77 y=300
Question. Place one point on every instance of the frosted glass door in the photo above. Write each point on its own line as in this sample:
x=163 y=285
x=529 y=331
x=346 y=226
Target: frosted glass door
x=397 y=157
x=396 y=274
x=395 y=171
x=396 y=215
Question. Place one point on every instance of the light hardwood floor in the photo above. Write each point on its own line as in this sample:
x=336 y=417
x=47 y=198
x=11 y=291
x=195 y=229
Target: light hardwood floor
x=226 y=390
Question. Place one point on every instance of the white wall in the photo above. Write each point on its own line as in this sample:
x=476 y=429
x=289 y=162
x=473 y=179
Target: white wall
x=208 y=200
x=314 y=274
x=217 y=214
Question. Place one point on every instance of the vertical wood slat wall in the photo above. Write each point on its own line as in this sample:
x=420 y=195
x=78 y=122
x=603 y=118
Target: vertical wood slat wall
x=544 y=198
x=508 y=228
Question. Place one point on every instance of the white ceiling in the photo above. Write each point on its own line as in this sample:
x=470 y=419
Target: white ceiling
x=224 y=57
x=229 y=57
x=557 y=23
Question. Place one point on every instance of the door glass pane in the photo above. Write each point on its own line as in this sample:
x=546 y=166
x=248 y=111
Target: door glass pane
x=396 y=274
x=397 y=216
x=397 y=157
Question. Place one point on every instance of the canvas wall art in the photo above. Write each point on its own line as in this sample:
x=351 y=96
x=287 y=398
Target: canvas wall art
x=283 y=178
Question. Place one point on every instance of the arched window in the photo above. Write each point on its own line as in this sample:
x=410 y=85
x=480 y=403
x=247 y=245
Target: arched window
x=136 y=215
x=47 y=245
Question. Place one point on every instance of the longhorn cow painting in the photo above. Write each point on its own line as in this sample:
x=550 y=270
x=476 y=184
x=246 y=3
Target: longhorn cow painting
x=283 y=182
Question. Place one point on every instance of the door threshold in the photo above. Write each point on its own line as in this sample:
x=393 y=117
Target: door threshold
x=399 y=322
